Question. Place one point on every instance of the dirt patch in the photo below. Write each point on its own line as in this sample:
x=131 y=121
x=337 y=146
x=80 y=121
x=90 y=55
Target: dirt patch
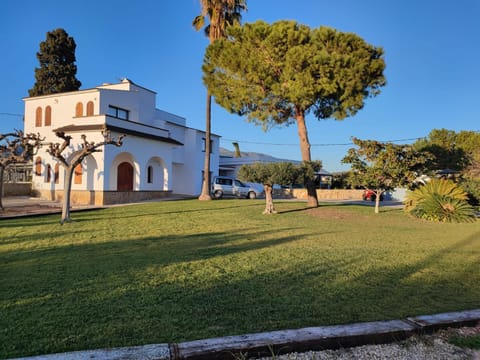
x=28 y=210
x=326 y=212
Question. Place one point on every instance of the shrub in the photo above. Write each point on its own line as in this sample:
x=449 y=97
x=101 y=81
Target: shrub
x=440 y=200
x=472 y=188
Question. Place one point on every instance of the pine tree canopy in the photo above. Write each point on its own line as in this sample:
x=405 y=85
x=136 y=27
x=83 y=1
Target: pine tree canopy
x=57 y=71
x=274 y=72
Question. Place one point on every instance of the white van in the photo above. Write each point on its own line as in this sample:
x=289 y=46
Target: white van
x=228 y=186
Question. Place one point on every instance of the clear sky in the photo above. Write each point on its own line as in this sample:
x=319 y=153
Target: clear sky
x=431 y=48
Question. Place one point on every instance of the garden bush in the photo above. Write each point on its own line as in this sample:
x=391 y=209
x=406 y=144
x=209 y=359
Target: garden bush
x=440 y=200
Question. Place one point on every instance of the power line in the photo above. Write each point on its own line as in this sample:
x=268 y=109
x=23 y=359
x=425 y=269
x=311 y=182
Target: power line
x=11 y=114
x=328 y=144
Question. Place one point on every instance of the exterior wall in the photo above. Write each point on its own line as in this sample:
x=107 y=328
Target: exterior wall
x=92 y=168
x=175 y=167
x=188 y=174
x=17 y=189
x=99 y=198
x=63 y=111
x=154 y=153
x=141 y=106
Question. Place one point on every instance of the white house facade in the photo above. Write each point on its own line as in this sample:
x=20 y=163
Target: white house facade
x=160 y=155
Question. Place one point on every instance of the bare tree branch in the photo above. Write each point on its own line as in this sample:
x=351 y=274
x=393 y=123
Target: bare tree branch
x=16 y=147
x=72 y=160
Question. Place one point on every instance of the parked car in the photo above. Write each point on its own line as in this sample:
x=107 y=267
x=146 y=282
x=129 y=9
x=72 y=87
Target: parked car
x=369 y=195
x=228 y=186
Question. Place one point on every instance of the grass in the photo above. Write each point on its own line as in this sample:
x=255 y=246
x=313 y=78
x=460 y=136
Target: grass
x=184 y=270
x=471 y=342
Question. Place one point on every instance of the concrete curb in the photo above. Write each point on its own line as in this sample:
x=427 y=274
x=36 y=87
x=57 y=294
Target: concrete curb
x=281 y=342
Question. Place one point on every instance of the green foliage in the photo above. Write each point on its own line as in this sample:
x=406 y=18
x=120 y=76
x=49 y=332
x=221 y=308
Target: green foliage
x=308 y=171
x=439 y=200
x=472 y=188
x=341 y=180
x=382 y=166
x=221 y=14
x=451 y=150
x=274 y=73
x=282 y=173
x=57 y=71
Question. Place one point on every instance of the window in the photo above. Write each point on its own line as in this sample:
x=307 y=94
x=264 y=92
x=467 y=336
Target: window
x=223 y=181
x=38 y=166
x=150 y=174
x=48 y=116
x=79 y=110
x=56 y=176
x=90 y=108
x=78 y=174
x=48 y=178
x=118 y=112
x=238 y=183
x=38 y=117
x=204 y=143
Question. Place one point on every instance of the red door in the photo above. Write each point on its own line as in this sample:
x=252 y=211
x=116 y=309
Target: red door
x=125 y=177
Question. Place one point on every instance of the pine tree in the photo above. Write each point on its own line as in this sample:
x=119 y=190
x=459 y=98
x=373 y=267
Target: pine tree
x=57 y=71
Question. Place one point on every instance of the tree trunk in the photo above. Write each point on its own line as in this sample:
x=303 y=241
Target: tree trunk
x=205 y=194
x=269 y=208
x=1 y=187
x=67 y=187
x=312 y=199
x=377 y=201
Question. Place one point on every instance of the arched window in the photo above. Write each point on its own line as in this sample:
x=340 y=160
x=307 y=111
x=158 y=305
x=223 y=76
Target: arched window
x=38 y=117
x=90 y=108
x=38 y=166
x=48 y=116
x=79 y=110
x=56 y=176
x=150 y=174
x=48 y=178
x=78 y=174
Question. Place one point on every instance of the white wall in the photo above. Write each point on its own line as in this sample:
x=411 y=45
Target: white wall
x=139 y=152
x=177 y=168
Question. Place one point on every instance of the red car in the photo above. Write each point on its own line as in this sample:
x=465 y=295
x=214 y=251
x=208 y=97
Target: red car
x=370 y=195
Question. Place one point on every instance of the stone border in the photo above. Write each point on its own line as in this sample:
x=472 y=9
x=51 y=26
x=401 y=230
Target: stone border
x=281 y=342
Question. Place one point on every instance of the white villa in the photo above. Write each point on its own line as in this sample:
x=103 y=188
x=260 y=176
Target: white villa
x=159 y=155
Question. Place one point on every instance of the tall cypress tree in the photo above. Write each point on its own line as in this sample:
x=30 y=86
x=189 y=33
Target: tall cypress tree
x=57 y=71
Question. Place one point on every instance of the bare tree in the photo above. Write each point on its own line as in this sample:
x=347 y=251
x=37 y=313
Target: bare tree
x=70 y=161
x=16 y=147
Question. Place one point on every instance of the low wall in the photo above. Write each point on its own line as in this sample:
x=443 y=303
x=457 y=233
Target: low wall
x=329 y=194
x=125 y=197
x=98 y=198
x=17 y=189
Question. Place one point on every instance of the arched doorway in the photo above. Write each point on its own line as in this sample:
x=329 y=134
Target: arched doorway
x=125 y=177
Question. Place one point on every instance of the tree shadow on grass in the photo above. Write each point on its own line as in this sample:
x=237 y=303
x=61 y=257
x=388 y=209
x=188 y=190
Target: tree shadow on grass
x=185 y=287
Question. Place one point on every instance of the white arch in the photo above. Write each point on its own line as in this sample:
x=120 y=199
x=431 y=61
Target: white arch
x=124 y=157
x=91 y=168
x=160 y=174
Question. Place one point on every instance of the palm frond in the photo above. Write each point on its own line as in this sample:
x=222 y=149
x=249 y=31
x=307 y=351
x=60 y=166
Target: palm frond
x=439 y=200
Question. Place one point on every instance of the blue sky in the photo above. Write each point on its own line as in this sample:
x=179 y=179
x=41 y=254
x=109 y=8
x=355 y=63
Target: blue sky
x=431 y=51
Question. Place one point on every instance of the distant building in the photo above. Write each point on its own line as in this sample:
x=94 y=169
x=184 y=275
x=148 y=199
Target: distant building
x=159 y=155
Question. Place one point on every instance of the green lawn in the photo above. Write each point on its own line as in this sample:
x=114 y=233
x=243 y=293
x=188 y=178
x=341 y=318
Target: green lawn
x=183 y=270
